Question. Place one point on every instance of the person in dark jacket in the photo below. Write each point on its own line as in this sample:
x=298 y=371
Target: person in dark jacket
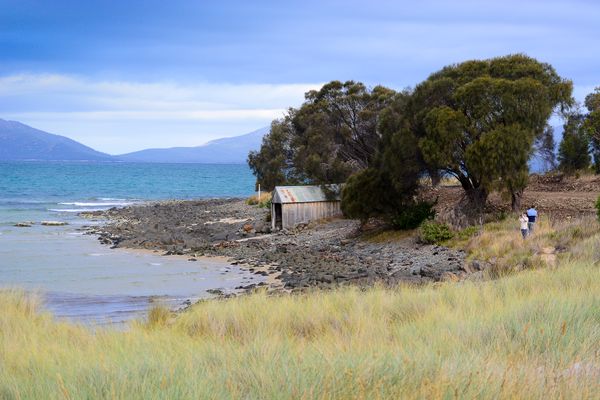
x=532 y=215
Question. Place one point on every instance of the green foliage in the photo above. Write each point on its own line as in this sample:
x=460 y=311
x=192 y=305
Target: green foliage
x=412 y=215
x=265 y=204
x=592 y=124
x=478 y=120
x=468 y=232
x=598 y=208
x=433 y=232
x=271 y=165
x=330 y=137
x=370 y=193
x=364 y=195
x=573 y=152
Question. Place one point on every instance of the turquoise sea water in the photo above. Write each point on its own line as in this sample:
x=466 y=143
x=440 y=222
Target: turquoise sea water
x=83 y=280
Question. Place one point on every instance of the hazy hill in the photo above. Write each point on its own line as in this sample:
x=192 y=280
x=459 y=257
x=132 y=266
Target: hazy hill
x=226 y=150
x=21 y=142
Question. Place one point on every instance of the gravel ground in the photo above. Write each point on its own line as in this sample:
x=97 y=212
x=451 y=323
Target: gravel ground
x=322 y=254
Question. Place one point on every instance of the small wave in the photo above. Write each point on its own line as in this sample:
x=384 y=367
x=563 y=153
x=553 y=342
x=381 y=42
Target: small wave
x=76 y=210
x=86 y=204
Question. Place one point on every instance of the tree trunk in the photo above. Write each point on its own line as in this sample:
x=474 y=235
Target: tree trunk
x=515 y=200
x=476 y=199
x=468 y=211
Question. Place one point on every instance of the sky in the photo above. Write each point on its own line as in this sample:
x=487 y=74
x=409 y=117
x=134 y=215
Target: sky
x=121 y=76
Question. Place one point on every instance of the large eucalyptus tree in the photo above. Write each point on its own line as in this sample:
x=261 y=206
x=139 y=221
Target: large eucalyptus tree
x=478 y=120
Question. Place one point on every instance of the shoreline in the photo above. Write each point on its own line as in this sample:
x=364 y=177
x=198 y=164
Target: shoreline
x=270 y=280
x=322 y=254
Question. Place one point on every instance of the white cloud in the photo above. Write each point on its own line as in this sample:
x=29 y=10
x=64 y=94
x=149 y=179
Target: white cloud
x=136 y=115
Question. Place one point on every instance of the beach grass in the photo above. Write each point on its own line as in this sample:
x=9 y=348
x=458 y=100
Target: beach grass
x=501 y=243
x=264 y=200
x=532 y=334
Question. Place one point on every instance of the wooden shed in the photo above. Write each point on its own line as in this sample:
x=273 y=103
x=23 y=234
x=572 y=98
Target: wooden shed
x=293 y=205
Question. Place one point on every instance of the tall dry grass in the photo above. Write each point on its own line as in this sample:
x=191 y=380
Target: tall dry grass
x=264 y=200
x=535 y=334
x=501 y=243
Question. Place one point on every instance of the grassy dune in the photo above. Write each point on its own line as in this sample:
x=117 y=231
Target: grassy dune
x=535 y=334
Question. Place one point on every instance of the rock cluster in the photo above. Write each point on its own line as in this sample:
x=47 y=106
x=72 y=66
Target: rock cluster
x=324 y=255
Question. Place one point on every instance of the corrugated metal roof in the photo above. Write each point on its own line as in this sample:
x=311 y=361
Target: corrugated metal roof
x=302 y=194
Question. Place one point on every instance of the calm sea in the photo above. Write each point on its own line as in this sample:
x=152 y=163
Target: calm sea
x=76 y=276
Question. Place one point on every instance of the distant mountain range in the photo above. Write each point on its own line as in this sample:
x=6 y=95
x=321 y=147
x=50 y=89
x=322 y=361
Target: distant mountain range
x=227 y=150
x=22 y=142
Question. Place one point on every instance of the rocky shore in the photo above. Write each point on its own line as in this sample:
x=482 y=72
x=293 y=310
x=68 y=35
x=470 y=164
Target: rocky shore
x=322 y=254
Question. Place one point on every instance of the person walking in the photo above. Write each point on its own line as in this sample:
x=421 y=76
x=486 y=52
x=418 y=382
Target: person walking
x=524 y=220
x=532 y=215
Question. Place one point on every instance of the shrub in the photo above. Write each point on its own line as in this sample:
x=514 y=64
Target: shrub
x=598 y=208
x=265 y=204
x=434 y=232
x=468 y=232
x=264 y=201
x=411 y=216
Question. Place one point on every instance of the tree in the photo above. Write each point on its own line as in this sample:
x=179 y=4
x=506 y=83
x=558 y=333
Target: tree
x=545 y=146
x=272 y=165
x=331 y=136
x=387 y=188
x=574 y=149
x=478 y=120
x=592 y=124
x=369 y=194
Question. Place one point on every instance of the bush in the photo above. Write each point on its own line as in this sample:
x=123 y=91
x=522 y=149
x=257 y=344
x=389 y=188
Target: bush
x=265 y=204
x=468 y=232
x=264 y=201
x=433 y=232
x=598 y=208
x=412 y=216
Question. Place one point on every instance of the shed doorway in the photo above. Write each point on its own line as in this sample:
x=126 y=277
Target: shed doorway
x=278 y=216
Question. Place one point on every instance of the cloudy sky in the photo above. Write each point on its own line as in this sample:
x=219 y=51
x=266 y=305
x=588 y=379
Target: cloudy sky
x=125 y=75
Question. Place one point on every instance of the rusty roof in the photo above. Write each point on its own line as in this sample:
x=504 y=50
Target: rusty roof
x=303 y=194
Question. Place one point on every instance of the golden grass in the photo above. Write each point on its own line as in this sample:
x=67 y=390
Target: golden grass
x=262 y=201
x=388 y=235
x=530 y=335
x=501 y=243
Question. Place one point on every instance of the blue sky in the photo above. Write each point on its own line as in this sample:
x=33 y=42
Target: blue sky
x=124 y=75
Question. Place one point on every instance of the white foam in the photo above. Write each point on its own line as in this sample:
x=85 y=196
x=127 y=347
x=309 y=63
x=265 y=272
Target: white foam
x=75 y=210
x=91 y=204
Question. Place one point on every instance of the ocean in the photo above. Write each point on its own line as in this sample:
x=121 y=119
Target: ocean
x=76 y=277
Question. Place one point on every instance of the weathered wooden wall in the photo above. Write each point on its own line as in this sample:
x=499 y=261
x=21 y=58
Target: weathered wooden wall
x=297 y=213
